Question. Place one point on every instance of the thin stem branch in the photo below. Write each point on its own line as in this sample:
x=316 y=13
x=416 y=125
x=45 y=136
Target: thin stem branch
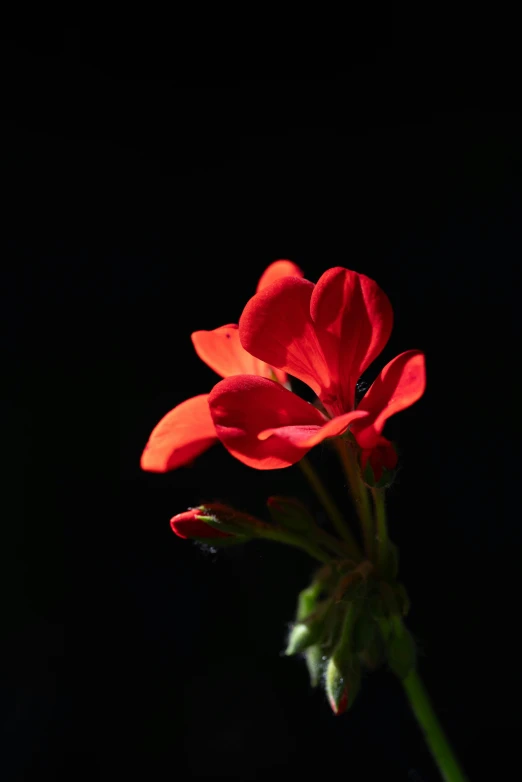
x=382 y=529
x=330 y=507
x=358 y=491
x=433 y=733
x=291 y=539
x=336 y=546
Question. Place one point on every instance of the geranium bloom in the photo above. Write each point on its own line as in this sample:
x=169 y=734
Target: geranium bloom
x=326 y=335
x=188 y=430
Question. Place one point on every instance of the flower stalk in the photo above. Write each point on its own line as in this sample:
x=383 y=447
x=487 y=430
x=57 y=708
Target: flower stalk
x=382 y=539
x=331 y=508
x=293 y=539
x=358 y=491
x=436 y=739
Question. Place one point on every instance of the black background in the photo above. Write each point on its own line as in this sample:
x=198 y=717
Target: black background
x=141 y=206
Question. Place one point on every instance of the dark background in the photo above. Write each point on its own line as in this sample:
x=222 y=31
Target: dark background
x=141 y=206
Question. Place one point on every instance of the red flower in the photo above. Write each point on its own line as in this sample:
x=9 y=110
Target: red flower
x=326 y=335
x=188 y=429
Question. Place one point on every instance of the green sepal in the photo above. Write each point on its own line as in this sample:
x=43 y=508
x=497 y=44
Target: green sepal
x=303 y=635
x=231 y=540
x=309 y=627
x=307 y=600
x=232 y=526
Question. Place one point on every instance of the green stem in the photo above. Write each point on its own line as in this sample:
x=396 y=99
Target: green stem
x=336 y=546
x=432 y=729
x=330 y=507
x=358 y=491
x=382 y=529
x=283 y=536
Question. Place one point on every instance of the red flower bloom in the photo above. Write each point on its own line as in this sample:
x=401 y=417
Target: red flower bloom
x=188 y=430
x=326 y=335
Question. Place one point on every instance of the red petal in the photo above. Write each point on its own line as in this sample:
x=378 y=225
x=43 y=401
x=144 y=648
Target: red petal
x=276 y=271
x=399 y=385
x=307 y=437
x=187 y=525
x=222 y=351
x=180 y=436
x=276 y=327
x=353 y=319
x=242 y=407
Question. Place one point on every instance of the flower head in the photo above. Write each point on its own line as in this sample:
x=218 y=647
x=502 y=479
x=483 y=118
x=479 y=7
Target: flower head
x=325 y=335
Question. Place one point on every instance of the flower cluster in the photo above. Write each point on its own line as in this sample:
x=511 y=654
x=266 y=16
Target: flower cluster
x=350 y=618
x=326 y=335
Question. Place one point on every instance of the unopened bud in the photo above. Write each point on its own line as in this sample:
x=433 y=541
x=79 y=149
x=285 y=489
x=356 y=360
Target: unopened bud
x=217 y=522
x=368 y=641
x=307 y=600
x=304 y=635
x=378 y=465
x=343 y=682
x=343 y=671
x=310 y=618
x=290 y=513
x=315 y=662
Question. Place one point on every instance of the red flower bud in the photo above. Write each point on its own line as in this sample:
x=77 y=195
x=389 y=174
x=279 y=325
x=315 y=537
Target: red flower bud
x=343 y=681
x=378 y=464
x=215 y=520
x=343 y=672
x=339 y=707
x=190 y=524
